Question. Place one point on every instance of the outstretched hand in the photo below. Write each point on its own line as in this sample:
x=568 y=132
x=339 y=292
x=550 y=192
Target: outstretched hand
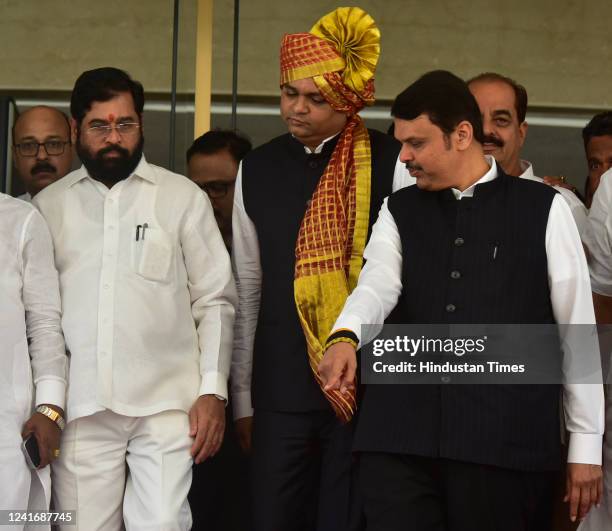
x=337 y=368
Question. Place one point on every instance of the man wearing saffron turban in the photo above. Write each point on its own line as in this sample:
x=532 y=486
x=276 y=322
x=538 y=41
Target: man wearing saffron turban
x=303 y=208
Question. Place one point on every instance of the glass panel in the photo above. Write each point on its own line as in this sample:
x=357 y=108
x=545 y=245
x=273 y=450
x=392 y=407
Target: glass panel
x=133 y=36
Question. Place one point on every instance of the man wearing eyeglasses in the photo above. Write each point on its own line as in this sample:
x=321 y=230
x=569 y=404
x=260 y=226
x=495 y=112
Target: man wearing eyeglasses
x=212 y=162
x=148 y=307
x=42 y=148
x=220 y=484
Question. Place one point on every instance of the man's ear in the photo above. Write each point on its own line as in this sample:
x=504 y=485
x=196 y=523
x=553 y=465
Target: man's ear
x=73 y=130
x=523 y=132
x=464 y=134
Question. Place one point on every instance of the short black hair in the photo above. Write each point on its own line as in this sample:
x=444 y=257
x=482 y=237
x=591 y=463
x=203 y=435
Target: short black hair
x=520 y=92
x=442 y=96
x=600 y=125
x=103 y=84
x=217 y=140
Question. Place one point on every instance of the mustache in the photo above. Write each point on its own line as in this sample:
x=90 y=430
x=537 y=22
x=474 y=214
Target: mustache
x=43 y=167
x=113 y=148
x=413 y=167
x=490 y=139
x=115 y=169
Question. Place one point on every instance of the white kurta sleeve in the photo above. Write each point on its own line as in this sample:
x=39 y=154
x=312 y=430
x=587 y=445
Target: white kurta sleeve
x=213 y=295
x=570 y=293
x=577 y=208
x=598 y=237
x=247 y=271
x=41 y=300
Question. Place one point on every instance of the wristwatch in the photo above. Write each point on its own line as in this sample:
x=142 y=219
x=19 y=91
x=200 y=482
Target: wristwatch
x=53 y=415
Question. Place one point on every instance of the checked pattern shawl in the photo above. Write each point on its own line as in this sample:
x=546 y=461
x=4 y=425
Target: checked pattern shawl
x=340 y=54
x=329 y=250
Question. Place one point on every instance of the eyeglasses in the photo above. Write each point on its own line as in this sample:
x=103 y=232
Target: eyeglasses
x=52 y=147
x=216 y=190
x=123 y=129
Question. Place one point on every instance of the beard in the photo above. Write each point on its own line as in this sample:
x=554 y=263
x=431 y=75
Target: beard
x=110 y=169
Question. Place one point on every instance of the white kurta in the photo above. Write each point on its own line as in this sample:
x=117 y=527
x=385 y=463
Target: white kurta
x=597 y=239
x=147 y=291
x=579 y=211
x=32 y=353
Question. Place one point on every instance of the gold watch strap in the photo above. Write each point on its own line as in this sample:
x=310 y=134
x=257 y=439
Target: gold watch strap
x=53 y=415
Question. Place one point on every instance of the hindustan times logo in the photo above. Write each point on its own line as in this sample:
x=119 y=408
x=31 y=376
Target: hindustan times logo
x=413 y=347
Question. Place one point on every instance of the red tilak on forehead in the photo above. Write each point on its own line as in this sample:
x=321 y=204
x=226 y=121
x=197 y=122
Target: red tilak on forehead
x=111 y=117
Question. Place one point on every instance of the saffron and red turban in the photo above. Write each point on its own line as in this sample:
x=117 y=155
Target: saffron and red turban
x=340 y=53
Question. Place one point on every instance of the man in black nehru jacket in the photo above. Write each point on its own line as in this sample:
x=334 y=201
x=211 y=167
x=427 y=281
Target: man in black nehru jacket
x=467 y=244
x=303 y=206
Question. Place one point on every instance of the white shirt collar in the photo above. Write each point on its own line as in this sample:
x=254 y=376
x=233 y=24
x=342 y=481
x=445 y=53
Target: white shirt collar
x=489 y=176
x=527 y=169
x=319 y=148
x=25 y=197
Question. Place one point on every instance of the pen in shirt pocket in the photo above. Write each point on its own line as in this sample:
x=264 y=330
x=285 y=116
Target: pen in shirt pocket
x=140 y=231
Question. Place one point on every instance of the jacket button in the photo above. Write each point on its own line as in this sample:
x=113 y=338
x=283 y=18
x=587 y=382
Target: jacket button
x=455 y=275
x=459 y=241
x=312 y=163
x=450 y=308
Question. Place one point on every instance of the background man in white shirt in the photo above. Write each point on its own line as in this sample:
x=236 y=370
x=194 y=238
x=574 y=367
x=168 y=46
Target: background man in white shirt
x=148 y=306
x=33 y=357
x=42 y=148
x=468 y=244
x=503 y=105
x=598 y=241
x=222 y=483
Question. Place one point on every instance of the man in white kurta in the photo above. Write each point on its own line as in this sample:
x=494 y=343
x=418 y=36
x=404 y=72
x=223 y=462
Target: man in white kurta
x=148 y=308
x=32 y=356
x=598 y=240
